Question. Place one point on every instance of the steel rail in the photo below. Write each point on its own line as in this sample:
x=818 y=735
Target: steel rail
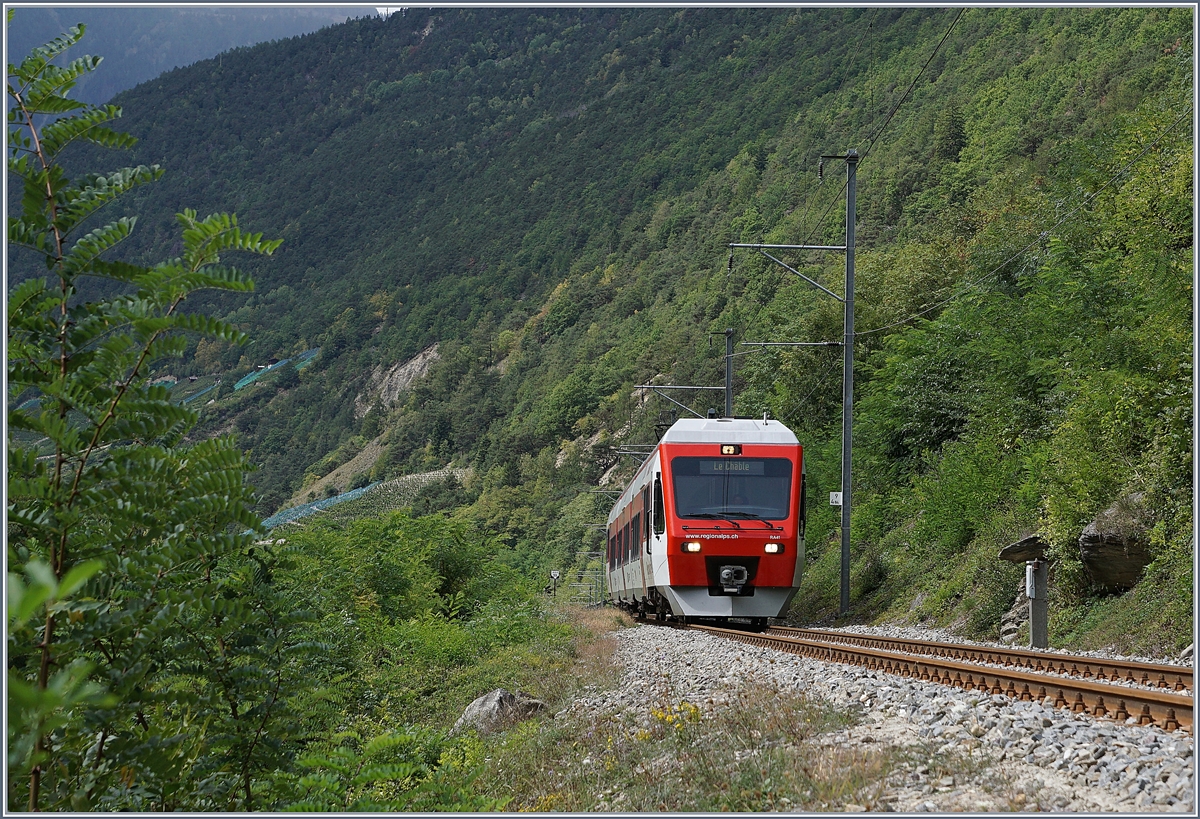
x=1166 y=709
x=1155 y=675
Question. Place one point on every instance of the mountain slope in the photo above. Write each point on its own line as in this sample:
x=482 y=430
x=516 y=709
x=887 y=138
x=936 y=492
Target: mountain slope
x=140 y=43
x=548 y=194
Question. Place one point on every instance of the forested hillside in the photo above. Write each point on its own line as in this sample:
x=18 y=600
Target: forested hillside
x=140 y=42
x=494 y=225
x=548 y=195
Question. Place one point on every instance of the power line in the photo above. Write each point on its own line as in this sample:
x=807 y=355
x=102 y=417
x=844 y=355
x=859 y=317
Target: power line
x=858 y=41
x=1041 y=234
x=871 y=140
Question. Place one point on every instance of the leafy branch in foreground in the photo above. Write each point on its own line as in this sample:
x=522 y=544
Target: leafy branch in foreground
x=121 y=537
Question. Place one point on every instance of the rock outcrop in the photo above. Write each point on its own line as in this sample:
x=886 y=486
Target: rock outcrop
x=1013 y=622
x=1030 y=547
x=1114 y=547
x=495 y=710
x=386 y=385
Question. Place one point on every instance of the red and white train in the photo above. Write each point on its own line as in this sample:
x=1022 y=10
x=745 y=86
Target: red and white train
x=712 y=524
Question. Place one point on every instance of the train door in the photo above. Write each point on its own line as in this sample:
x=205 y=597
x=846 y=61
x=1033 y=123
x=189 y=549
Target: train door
x=614 y=586
x=643 y=537
x=621 y=555
x=636 y=580
x=626 y=551
x=657 y=536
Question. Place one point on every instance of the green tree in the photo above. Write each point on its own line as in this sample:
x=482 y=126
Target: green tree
x=119 y=532
x=949 y=135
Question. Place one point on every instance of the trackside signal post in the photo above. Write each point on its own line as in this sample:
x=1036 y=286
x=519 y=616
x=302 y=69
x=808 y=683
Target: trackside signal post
x=851 y=159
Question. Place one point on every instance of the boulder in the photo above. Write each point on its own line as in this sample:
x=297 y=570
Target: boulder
x=495 y=710
x=1031 y=547
x=1114 y=547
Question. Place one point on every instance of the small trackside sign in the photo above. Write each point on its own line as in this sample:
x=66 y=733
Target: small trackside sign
x=835 y=498
x=554 y=575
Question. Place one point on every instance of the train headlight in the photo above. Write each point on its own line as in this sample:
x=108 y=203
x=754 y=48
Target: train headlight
x=691 y=546
x=774 y=548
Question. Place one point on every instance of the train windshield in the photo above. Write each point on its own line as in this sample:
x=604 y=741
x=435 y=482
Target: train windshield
x=732 y=487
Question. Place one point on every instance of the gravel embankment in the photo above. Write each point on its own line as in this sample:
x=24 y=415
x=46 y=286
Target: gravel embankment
x=1016 y=754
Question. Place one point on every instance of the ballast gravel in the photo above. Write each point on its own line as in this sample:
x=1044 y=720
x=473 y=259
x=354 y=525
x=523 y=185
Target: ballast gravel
x=1016 y=755
x=942 y=636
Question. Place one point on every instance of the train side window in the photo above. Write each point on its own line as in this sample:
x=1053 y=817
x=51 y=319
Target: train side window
x=625 y=537
x=660 y=516
x=636 y=539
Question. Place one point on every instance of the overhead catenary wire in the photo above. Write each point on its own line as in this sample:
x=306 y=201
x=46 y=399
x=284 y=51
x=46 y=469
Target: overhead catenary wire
x=871 y=140
x=1042 y=234
x=858 y=41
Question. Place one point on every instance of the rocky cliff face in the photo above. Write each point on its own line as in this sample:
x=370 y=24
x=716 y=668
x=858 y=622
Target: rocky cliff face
x=1114 y=547
x=386 y=385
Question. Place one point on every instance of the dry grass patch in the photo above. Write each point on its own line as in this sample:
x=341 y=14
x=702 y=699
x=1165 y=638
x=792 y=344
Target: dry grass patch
x=593 y=648
x=596 y=629
x=743 y=749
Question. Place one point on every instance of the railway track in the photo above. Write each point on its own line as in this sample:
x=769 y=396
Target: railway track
x=1148 y=675
x=1010 y=673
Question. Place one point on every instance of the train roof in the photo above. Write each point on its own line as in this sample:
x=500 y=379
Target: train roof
x=711 y=431
x=728 y=431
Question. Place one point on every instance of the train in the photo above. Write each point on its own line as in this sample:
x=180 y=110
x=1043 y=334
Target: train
x=711 y=527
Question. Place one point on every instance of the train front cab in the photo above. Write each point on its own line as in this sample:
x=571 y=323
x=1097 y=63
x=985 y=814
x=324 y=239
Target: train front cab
x=733 y=498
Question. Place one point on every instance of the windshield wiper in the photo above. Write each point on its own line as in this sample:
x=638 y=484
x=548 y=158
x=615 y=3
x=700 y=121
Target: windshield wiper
x=749 y=516
x=711 y=516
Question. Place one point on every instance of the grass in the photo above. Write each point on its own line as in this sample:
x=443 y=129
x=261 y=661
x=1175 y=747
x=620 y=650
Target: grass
x=930 y=771
x=571 y=647
x=749 y=748
x=745 y=749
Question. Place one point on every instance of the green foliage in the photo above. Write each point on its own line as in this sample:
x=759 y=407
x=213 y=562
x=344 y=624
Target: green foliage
x=407 y=567
x=444 y=495
x=949 y=135
x=1047 y=393
x=159 y=657
x=403 y=771
x=147 y=661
